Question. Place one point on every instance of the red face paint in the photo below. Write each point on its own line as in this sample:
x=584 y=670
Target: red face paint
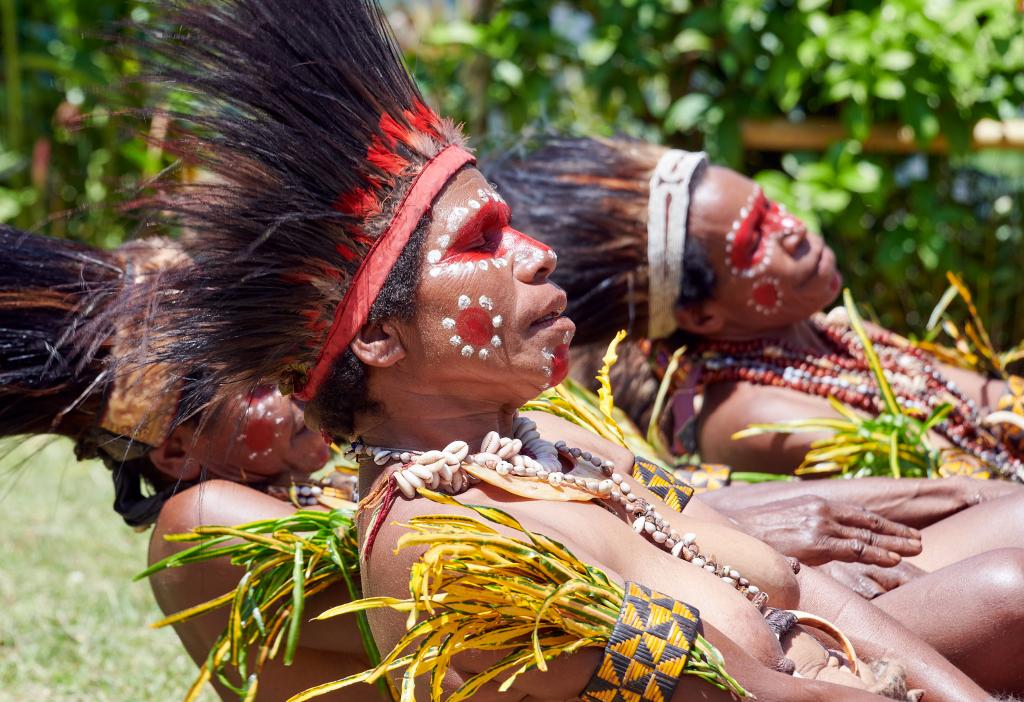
x=765 y=294
x=474 y=325
x=262 y=424
x=747 y=241
x=482 y=237
x=560 y=364
x=778 y=222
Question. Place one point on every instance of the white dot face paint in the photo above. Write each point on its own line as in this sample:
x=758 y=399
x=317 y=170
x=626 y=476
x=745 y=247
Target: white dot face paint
x=474 y=204
x=455 y=218
x=434 y=256
x=497 y=320
x=474 y=327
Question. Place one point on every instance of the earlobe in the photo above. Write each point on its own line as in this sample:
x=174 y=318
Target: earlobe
x=702 y=319
x=378 y=345
x=172 y=456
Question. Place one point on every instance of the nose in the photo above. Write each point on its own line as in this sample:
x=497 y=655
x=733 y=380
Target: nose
x=534 y=262
x=794 y=237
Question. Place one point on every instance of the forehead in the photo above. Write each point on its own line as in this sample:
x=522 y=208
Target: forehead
x=718 y=198
x=460 y=188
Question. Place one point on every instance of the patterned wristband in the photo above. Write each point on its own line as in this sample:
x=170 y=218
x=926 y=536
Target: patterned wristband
x=674 y=492
x=647 y=651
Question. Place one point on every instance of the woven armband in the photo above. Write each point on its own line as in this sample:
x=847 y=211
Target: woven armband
x=674 y=492
x=647 y=650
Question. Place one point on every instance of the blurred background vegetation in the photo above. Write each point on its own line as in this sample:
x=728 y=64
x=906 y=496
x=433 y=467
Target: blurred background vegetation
x=716 y=74
x=690 y=73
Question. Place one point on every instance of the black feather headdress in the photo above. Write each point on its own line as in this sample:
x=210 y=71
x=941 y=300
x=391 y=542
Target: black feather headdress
x=312 y=130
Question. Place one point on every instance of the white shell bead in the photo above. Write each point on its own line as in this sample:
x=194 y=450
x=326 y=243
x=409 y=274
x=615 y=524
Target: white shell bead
x=490 y=442
x=419 y=471
x=698 y=561
x=407 y=490
x=677 y=549
x=428 y=457
x=659 y=537
x=639 y=524
x=457 y=450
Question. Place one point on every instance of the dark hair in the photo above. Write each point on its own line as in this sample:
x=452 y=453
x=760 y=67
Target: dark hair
x=61 y=308
x=309 y=121
x=587 y=199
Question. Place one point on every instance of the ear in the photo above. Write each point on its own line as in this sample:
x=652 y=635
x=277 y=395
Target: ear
x=378 y=345
x=702 y=319
x=172 y=456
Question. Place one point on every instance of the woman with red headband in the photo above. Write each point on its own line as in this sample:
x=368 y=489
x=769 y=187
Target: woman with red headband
x=351 y=252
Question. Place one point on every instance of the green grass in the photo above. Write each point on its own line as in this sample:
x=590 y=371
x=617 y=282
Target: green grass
x=73 y=627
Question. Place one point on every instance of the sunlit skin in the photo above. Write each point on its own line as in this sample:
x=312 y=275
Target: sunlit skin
x=795 y=261
x=802 y=268
x=249 y=438
x=257 y=437
x=430 y=392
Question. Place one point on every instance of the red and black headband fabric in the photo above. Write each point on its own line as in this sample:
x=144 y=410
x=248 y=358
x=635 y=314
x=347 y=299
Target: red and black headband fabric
x=369 y=278
x=324 y=159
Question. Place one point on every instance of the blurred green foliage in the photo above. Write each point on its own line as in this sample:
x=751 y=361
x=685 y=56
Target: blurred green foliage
x=66 y=154
x=685 y=72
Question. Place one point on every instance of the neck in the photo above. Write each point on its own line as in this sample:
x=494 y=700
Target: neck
x=800 y=335
x=435 y=423
x=426 y=422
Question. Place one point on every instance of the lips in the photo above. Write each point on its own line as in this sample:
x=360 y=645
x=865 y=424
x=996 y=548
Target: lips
x=553 y=311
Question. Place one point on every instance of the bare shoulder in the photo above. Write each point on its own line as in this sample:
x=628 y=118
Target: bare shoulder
x=555 y=428
x=217 y=502
x=731 y=407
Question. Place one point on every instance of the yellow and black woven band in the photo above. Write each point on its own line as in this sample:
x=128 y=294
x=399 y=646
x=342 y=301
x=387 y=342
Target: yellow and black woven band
x=674 y=492
x=647 y=651
x=704 y=477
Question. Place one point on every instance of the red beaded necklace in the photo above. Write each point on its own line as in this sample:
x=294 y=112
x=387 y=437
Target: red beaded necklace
x=843 y=372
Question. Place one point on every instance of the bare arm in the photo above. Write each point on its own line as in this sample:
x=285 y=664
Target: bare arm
x=327 y=650
x=877 y=635
x=914 y=502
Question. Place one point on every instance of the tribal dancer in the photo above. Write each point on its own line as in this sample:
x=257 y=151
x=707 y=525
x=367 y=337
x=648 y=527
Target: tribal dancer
x=70 y=347
x=593 y=200
x=352 y=253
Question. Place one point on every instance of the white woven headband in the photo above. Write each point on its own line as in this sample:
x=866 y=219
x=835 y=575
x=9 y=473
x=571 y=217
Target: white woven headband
x=667 y=209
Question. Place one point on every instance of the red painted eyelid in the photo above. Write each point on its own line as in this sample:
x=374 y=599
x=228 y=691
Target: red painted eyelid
x=758 y=209
x=491 y=214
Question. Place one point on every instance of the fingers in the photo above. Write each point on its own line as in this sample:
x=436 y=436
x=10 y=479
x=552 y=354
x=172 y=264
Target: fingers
x=852 y=576
x=892 y=578
x=897 y=544
x=855 y=550
x=851 y=515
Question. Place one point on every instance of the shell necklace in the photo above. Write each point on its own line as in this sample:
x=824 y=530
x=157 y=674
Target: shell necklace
x=526 y=465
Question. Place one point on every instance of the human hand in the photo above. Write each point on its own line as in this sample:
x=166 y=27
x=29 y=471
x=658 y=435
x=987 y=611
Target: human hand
x=973 y=491
x=816 y=531
x=870 y=581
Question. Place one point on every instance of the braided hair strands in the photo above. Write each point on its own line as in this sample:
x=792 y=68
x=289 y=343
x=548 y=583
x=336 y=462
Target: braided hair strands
x=313 y=130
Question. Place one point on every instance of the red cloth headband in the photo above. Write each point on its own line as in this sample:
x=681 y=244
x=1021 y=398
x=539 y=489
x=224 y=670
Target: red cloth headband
x=366 y=284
